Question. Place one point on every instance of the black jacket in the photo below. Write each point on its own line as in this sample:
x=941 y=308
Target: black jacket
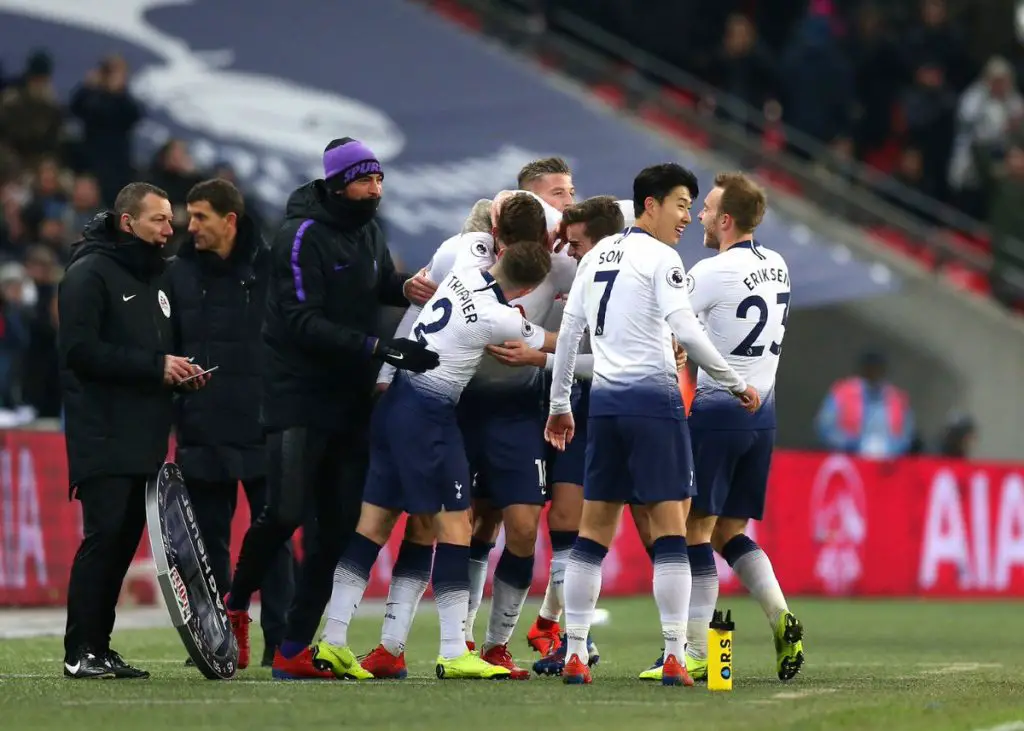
x=218 y=306
x=115 y=329
x=328 y=281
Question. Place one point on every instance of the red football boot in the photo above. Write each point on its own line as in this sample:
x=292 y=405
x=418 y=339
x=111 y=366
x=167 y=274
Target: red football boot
x=240 y=620
x=674 y=672
x=500 y=656
x=383 y=665
x=576 y=672
x=544 y=636
x=303 y=666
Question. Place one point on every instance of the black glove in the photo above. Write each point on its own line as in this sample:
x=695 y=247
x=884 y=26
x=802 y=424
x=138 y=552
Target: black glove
x=406 y=354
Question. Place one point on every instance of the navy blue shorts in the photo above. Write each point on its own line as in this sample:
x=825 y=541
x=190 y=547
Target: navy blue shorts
x=417 y=458
x=638 y=458
x=570 y=466
x=732 y=471
x=505 y=449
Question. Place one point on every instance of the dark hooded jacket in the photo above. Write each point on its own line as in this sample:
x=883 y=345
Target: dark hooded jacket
x=330 y=275
x=218 y=314
x=115 y=329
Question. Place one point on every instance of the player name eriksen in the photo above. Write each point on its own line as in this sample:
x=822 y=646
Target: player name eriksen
x=465 y=299
x=760 y=276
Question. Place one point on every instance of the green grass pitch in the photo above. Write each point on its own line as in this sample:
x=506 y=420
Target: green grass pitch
x=870 y=665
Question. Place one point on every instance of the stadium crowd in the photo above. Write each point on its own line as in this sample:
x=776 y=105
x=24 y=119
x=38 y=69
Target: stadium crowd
x=925 y=92
x=62 y=161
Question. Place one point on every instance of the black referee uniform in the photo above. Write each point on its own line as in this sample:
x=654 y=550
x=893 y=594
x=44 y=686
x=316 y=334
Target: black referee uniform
x=115 y=330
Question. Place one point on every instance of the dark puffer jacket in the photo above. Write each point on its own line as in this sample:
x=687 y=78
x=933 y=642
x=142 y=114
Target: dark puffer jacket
x=218 y=306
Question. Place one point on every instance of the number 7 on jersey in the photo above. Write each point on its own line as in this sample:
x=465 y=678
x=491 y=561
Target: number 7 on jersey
x=606 y=276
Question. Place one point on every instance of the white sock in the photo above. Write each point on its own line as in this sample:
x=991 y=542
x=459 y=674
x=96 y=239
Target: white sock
x=451 y=593
x=477 y=581
x=506 y=605
x=554 y=596
x=582 y=589
x=404 y=597
x=512 y=578
x=672 y=592
x=755 y=572
x=551 y=607
x=348 y=590
x=703 y=598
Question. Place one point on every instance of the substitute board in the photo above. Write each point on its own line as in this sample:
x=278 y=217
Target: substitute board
x=186 y=576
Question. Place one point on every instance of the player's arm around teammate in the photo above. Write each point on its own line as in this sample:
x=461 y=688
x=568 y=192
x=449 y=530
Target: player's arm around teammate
x=418 y=463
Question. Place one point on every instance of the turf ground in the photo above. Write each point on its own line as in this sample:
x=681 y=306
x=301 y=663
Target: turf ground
x=871 y=665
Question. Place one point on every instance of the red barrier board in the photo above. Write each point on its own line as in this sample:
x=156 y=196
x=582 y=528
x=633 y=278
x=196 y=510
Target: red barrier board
x=835 y=525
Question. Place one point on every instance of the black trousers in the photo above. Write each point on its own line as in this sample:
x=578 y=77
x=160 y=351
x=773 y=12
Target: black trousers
x=214 y=504
x=113 y=517
x=315 y=479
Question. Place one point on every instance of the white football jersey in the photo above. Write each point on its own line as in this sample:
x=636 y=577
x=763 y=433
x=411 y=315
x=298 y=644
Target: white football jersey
x=741 y=297
x=467 y=313
x=440 y=266
x=535 y=306
x=625 y=288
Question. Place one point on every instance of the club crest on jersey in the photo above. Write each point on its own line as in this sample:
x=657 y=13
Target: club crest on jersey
x=527 y=328
x=675 y=277
x=690 y=284
x=165 y=304
x=480 y=248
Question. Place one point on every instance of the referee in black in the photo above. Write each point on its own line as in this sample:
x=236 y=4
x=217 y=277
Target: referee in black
x=331 y=272
x=117 y=373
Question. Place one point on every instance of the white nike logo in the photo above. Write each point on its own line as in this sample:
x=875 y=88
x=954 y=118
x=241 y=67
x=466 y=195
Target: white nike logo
x=72 y=668
x=397 y=356
x=127 y=297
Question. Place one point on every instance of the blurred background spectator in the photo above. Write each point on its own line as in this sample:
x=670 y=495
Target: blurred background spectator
x=866 y=415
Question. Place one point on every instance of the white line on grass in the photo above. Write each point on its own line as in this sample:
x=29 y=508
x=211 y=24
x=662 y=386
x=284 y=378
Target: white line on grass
x=792 y=695
x=1011 y=726
x=169 y=701
x=935 y=668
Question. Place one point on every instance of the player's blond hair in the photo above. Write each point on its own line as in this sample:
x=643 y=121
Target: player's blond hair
x=479 y=220
x=743 y=199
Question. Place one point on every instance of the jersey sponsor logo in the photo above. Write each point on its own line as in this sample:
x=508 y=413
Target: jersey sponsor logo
x=127 y=297
x=165 y=304
x=690 y=284
x=675 y=277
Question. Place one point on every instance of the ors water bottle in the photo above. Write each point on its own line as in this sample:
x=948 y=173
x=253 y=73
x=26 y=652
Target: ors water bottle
x=720 y=651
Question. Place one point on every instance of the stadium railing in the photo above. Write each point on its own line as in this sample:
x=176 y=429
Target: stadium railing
x=938 y=236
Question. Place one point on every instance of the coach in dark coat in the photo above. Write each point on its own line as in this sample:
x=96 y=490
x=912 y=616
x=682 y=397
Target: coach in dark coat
x=218 y=286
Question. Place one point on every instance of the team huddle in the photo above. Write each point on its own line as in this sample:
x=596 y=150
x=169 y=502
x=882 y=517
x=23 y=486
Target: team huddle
x=559 y=329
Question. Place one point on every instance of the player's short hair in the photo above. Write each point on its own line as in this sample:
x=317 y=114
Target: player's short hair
x=539 y=168
x=526 y=263
x=657 y=181
x=521 y=218
x=743 y=199
x=600 y=215
x=221 y=194
x=129 y=198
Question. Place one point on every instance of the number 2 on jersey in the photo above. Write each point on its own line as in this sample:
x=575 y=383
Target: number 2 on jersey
x=748 y=346
x=608 y=277
x=443 y=305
